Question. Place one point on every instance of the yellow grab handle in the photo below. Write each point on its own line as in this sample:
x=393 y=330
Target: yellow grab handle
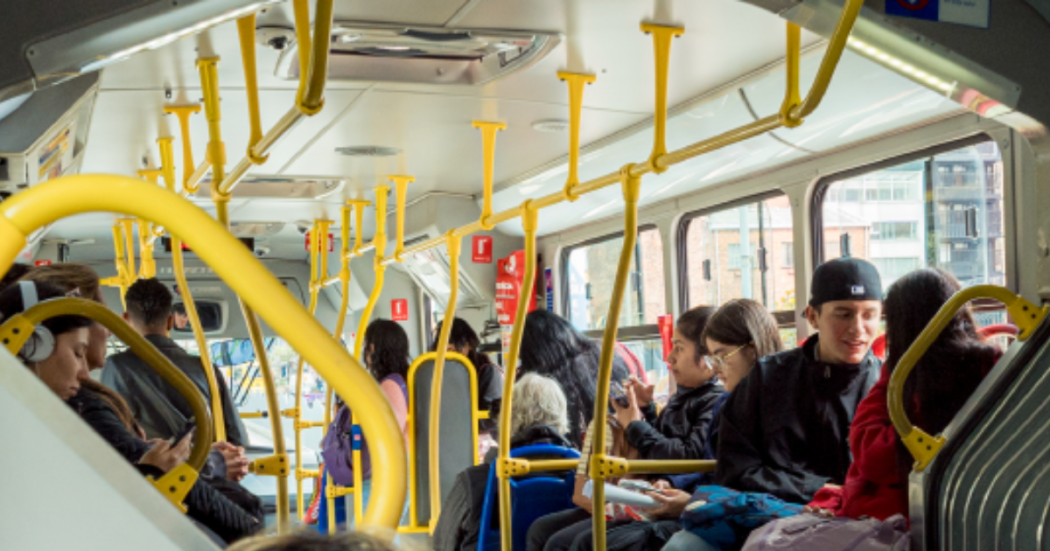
x=40 y=205
x=792 y=99
x=400 y=188
x=216 y=155
x=183 y=112
x=488 y=151
x=576 y=83
x=662 y=49
x=529 y=221
x=631 y=187
x=246 y=35
x=1026 y=316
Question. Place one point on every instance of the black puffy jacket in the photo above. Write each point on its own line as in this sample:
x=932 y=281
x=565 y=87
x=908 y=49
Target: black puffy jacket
x=204 y=503
x=681 y=429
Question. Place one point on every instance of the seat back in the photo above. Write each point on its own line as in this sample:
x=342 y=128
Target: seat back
x=989 y=487
x=532 y=496
x=458 y=437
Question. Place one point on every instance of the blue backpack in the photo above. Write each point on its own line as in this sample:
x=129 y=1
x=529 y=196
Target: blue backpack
x=724 y=518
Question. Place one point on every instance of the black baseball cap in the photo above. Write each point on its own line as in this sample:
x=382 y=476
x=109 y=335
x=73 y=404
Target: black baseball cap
x=845 y=279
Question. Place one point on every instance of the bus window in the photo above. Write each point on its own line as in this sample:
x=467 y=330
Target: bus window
x=943 y=210
x=721 y=265
x=591 y=269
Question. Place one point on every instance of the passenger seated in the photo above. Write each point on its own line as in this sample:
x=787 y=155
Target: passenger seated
x=312 y=541
x=464 y=340
x=785 y=428
x=157 y=406
x=551 y=347
x=385 y=352
x=225 y=461
x=942 y=381
x=539 y=417
x=747 y=332
x=64 y=370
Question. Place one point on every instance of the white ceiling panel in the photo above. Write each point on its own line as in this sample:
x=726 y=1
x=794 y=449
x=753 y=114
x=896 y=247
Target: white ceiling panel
x=439 y=145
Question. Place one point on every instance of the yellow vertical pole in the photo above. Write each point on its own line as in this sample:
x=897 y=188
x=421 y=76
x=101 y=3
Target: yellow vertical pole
x=662 y=47
x=296 y=413
x=434 y=452
x=128 y=229
x=379 y=240
x=529 y=220
x=488 y=149
x=631 y=189
x=576 y=83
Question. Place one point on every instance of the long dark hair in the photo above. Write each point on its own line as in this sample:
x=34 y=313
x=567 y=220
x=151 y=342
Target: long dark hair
x=949 y=372
x=462 y=336
x=550 y=346
x=743 y=321
x=389 y=354
x=11 y=304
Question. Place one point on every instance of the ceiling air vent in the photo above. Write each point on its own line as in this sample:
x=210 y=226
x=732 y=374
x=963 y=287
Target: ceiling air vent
x=367 y=151
x=427 y=55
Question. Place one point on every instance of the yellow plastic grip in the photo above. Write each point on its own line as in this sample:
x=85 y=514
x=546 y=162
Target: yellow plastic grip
x=1025 y=315
x=400 y=188
x=576 y=83
x=791 y=95
x=488 y=152
x=662 y=50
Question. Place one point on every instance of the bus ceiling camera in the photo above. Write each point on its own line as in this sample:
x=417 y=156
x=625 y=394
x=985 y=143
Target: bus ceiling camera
x=277 y=38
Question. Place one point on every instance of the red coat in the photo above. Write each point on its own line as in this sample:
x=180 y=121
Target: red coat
x=873 y=484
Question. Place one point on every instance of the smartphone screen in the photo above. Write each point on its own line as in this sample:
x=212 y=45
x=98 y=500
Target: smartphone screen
x=186 y=429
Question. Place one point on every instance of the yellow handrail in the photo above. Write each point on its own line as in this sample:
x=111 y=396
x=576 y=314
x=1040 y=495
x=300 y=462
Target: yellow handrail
x=436 y=382
x=177 y=482
x=313 y=73
x=666 y=160
x=246 y=35
x=413 y=484
x=662 y=37
x=1025 y=315
x=488 y=153
x=344 y=303
x=183 y=113
x=529 y=220
x=631 y=191
x=40 y=205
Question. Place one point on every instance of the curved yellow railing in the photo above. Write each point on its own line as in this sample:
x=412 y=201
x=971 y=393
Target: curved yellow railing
x=318 y=239
x=1025 y=315
x=413 y=484
x=36 y=207
x=176 y=483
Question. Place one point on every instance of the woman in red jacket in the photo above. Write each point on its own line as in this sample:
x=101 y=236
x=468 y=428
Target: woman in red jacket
x=942 y=381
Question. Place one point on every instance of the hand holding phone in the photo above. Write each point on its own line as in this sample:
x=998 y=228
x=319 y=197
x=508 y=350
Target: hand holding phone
x=191 y=424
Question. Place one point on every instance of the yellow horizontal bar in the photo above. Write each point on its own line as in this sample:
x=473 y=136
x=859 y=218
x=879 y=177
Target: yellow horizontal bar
x=553 y=465
x=654 y=466
x=413 y=530
x=254 y=414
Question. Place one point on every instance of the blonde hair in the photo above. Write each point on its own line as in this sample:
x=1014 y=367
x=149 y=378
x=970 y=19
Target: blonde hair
x=539 y=400
x=68 y=276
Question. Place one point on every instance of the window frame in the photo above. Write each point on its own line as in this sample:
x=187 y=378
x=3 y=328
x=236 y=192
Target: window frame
x=682 y=231
x=565 y=304
x=820 y=189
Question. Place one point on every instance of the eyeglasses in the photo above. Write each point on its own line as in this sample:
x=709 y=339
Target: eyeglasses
x=718 y=362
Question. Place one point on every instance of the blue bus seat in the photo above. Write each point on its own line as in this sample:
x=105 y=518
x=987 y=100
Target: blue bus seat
x=532 y=496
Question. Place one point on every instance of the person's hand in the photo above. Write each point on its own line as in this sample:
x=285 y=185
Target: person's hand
x=662 y=484
x=818 y=511
x=642 y=391
x=236 y=461
x=164 y=456
x=672 y=503
x=626 y=415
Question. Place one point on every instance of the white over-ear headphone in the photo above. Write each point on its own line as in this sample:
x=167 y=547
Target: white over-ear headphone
x=41 y=343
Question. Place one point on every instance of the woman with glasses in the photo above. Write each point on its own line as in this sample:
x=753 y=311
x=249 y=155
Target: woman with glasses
x=737 y=335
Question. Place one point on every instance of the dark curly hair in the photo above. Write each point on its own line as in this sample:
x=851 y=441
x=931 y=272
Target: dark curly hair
x=386 y=349
x=462 y=336
x=550 y=346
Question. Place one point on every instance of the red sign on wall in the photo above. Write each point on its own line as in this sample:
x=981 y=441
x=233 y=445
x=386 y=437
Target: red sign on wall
x=331 y=243
x=481 y=252
x=510 y=272
x=399 y=309
x=42 y=263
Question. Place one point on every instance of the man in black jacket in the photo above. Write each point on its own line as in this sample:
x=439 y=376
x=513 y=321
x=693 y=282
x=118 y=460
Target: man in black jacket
x=785 y=429
x=158 y=407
